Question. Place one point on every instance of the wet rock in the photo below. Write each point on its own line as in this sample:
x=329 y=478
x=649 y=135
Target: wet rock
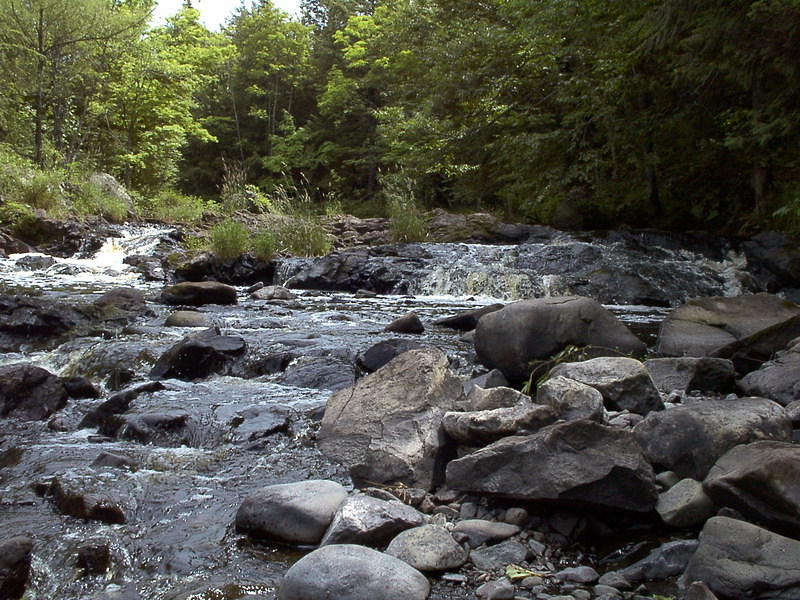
x=122 y=305
x=525 y=332
x=624 y=383
x=117 y=404
x=15 y=566
x=369 y=521
x=498 y=556
x=72 y=498
x=387 y=427
x=374 y=357
x=761 y=481
x=703 y=325
x=111 y=459
x=571 y=399
x=496 y=397
x=427 y=548
x=477 y=532
x=774 y=260
x=685 y=504
x=34 y=262
x=199 y=293
x=740 y=560
x=705 y=374
x=169 y=428
x=94 y=557
x=408 y=323
x=668 y=560
x=273 y=292
x=778 y=379
x=25 y=320
x=467 y=320
x=256 y=422
x=578 y=461
x=149 y=267
x=483 y=427
x=198 y=355
x=501 y=589
x=207 y=267
x=291 y=512
x=581 y=574
x=115 y=364
x=689 y=439
x=80 y=388
x=350 y=572
x=30 y=392
x=188 y=318
x=319 y=372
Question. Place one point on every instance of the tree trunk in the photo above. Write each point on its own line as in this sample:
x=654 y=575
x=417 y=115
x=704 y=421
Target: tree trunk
x=38 y=142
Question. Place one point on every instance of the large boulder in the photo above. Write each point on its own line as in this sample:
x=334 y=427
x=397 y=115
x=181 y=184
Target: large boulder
x=703 y=325
x=30 y=392
x=467 y=320
x=518 y=336
x=291 y=512
x=370 y=521
x=581 y=462
x=778 y=379
x=740 y=560
x=198 y=355
x=350 y=572
x=198 y=293
x=689 y=439
x=624 y=383
x=762 y=481
x=387 y=427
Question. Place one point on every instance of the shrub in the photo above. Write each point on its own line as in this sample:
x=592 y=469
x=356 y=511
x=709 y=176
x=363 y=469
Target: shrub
x=265 y=245
x=234 y=191
x=303 y=236
x=229 y=239
x=406 y=222
x=12 y=214
x=43 y=190
x=173 y=207
x=92 y=200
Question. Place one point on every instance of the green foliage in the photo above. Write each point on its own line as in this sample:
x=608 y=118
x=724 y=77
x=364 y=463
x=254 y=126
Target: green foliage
x=265 y=245
x=14 y=214
x=407 y=223
x=229 y=239
x=234 y=190
x=170 y=206
x=92 y=200
x=303 y=235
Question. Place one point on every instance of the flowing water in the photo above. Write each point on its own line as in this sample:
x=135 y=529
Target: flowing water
x=237 y=433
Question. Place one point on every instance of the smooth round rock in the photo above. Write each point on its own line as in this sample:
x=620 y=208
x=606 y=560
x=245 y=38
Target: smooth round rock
x=350 y=572
x=428 y=548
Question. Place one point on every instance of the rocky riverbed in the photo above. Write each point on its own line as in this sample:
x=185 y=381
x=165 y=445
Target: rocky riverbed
x=362 y=433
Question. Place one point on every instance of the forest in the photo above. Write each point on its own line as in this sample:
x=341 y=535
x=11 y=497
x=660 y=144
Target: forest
x=580 y=113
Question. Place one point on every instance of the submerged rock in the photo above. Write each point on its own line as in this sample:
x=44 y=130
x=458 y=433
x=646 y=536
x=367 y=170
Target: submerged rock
x=578 y=461
x=387 y=427
x=350 y=572
x=524 y=332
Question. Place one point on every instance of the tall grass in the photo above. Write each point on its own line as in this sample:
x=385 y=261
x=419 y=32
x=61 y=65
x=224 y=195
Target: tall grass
x=406 y=222
x=229 y=239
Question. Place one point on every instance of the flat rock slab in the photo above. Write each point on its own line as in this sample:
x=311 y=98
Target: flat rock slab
x=703 y=325
x=478 y=531
x=689 y=439
x=579 y=461
x=350 y=572
x=369 y=521
x=428 y=548
x=291 y=512
x=736 y=559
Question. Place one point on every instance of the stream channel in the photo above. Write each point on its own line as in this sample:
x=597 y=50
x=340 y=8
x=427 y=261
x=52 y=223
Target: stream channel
x=183 y=489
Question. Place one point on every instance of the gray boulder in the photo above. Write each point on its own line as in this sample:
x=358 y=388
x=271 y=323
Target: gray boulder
x=689 y=439
x=30 y=392
x=377 y=355
x=571 y=399
x=624 y=383
x=531 y=331
x=198 y=293
x=188 y=318
x=319 y=372
x=350 y=572
x=494 y=397
x=703 y=325
x=498 y=556
x=291 y=512
x=762 y=482
x=478 y=531
x=778 y=379
x=576 y=461
x=198 y=355
x=387 y=427
x=740 y=560
x=705 y=374
x=273 y=292
x=369 y=521
x=408 y=323
x=749 y=353
x=668 y=560
x=428 y=548
x=685 y=504
x=477 y=428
